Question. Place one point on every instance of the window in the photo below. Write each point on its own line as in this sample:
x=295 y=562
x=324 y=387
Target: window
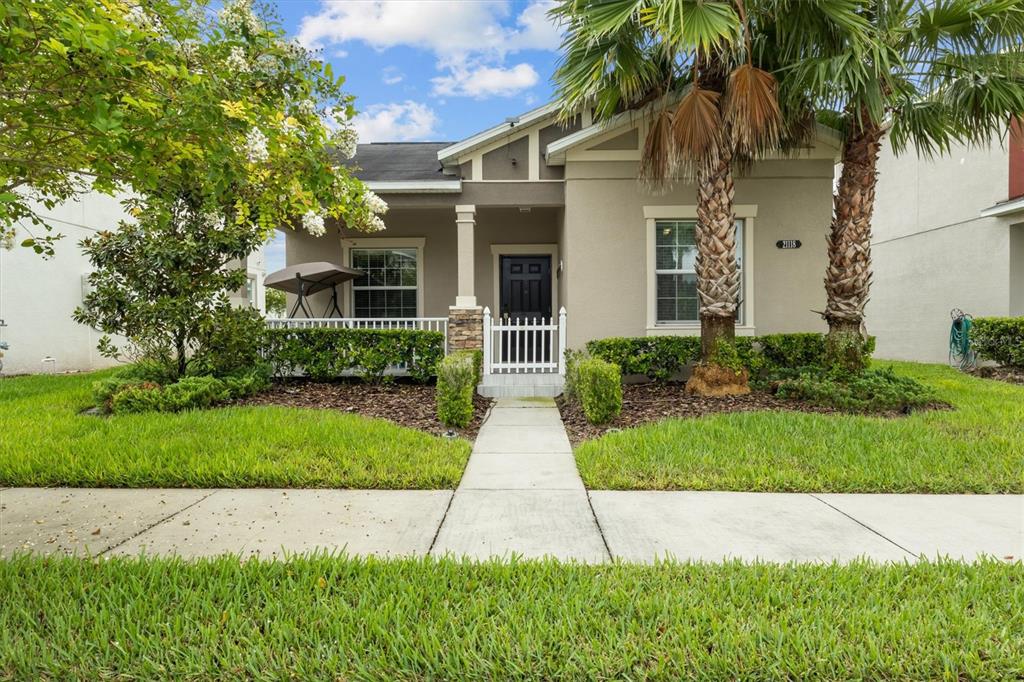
x=675 y=259
x=250 y=292
x=388 y=286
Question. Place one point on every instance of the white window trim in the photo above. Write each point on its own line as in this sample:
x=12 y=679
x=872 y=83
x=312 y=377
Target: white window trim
x=384 y=243
x=499 y=250
x=745 y=212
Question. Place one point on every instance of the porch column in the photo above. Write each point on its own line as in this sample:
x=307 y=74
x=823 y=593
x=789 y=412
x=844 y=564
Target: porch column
x=465 y=222
x=465 y=318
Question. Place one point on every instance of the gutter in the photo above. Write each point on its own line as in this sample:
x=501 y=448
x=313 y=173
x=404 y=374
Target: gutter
x=1004 y=208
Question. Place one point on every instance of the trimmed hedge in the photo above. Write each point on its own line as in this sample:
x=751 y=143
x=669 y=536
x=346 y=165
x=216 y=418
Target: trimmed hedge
x=329 y=353
x=599 y=386
x=661 y=357
x=457 y=377
x=1000 y=339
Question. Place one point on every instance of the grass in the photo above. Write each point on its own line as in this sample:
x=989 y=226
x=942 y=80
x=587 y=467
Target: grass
x=332 y=618
x=46 y=442
x=976 y=448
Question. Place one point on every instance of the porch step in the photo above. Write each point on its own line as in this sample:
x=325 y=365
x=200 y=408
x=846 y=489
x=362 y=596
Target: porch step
x=541 y=385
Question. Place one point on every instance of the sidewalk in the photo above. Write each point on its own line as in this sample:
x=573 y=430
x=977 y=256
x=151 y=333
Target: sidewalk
x=521 y=494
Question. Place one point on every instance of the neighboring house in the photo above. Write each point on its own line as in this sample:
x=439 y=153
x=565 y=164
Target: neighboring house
x=947 y=233
x=39 y=295
x=528 y=217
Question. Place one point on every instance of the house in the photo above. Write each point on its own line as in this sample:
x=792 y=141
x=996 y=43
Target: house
x=531 y=216
x=947 y=233
x=38 y=296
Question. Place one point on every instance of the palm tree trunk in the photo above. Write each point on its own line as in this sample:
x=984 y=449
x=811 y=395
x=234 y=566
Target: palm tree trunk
x=718 y=277
x=717 y=273
x=848 y=276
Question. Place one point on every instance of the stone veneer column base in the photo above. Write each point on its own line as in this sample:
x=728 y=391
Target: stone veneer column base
x=465 y=328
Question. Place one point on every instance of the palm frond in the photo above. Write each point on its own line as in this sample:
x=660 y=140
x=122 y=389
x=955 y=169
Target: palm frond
x=660 y=158
x=697 y=127
x=751 y=109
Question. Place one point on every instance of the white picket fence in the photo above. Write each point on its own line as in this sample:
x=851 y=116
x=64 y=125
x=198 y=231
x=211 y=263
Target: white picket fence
x=524 y=346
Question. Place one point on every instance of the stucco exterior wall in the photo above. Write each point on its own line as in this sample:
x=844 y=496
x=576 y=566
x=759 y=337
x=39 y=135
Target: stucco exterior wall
x=1017 y=269
x=932 y=251
x=38 y=296
x=604 y=245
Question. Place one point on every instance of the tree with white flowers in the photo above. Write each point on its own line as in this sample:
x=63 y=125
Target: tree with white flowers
x=251 y=134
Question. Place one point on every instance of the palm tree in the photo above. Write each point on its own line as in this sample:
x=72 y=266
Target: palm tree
x=704 y=72
x=936 y=72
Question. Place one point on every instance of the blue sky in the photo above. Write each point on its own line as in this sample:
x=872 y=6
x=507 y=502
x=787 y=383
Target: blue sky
x=429 y=69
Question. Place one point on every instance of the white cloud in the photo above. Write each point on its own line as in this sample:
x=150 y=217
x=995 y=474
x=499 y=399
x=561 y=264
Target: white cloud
x=470 y=38
x=391 y=75
x=396 y=122
x=485 y=81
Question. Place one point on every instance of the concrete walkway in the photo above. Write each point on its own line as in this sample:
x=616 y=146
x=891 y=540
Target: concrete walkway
x=521 y=493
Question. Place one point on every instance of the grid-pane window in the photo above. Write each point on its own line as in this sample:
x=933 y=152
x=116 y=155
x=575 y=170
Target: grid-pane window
x=675 y=258
x=388 y=285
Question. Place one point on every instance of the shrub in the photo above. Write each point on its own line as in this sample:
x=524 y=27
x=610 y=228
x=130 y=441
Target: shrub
x=661 y=357
x=127 y=394
x=572 y=364
x=1000 y=339
x=600 y=389
x=457 y=377
x=867 y=391
x=330 y=353
x=229 y=342
x=657 y=357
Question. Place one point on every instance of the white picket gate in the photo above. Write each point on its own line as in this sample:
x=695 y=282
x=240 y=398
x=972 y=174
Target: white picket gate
x=524 y=346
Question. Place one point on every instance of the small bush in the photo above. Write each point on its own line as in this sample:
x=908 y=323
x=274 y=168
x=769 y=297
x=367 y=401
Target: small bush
x=599 y=385
x=792 y=350
x=329 y=353
x=230 y=342
x=457 y=377
x=572 y=374
x=1000 y=339
x=867 y=391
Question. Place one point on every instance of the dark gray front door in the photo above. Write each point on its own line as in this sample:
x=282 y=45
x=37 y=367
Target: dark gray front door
x=526 y=298
x=525 y=287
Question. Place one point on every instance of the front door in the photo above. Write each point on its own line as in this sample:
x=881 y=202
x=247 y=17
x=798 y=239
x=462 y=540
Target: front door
x=525 y=299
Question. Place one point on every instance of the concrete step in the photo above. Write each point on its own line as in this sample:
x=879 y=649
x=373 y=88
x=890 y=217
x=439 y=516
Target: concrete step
x=521 y=385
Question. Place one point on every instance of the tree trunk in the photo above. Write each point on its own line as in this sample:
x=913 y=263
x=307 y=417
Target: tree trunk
x=848 y=276
x=718 y=279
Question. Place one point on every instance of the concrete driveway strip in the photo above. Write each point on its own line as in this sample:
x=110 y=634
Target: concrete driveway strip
x=268 y=523
x=83 y=521
x=712 y=526
x=957 y=526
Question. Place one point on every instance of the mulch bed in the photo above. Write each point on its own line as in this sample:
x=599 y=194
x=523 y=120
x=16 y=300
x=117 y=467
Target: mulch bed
x=406 y=404
x=1011 y=375
x=652 y=402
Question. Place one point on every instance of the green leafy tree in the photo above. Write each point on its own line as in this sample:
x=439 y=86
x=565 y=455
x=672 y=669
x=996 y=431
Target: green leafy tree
x=277 y=303
x=164 y=96
x=253 y=135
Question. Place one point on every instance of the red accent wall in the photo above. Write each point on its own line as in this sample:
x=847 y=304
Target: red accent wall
x=1016 y=159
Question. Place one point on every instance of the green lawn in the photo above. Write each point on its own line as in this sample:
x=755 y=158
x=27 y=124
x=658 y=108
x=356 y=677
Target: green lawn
x=976 y=448
x=333 y=618
x=44 y=441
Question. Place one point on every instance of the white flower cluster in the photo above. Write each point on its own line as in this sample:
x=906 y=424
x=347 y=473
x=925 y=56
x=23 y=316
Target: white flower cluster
x=307 y=107
x=313 y=223
x=189 y=49
x=7 y=237
x=213 y=221
x=294 y=49
x=374 y=203
x=238 y=15
x=288 y=127
x=140 y=18
x=236 y=60
x=256 y=146
x=345 y=140
x=268 y=64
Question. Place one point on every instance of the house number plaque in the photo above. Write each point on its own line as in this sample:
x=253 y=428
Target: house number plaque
x=788 y=244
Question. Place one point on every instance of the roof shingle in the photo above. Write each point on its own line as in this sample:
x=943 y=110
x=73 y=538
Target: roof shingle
x=396 y=161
